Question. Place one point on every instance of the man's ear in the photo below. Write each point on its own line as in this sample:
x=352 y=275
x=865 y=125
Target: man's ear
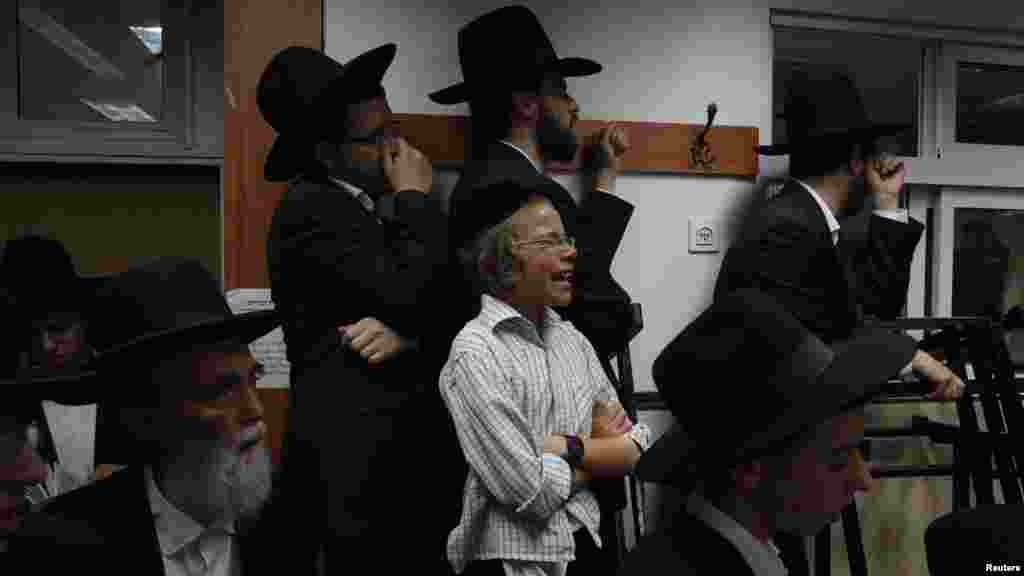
x=526 y=107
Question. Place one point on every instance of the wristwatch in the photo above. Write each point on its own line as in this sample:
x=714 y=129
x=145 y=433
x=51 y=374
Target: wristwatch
x=573 y=452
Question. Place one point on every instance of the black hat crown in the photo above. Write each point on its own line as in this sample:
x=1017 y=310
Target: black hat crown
x=776 y=378
x=507 y=49
x=824 y=105
x=169 y=304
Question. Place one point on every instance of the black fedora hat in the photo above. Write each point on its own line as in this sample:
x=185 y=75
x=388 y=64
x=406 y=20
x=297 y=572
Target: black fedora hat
x=147 y=313
x=39 y=278
x=824 y=105
x=507 y=49
x=966 y=541
x=491 y=205
x=302 y=93
x=776 y=379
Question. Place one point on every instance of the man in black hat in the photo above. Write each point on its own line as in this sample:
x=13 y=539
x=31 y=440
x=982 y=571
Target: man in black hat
x=787 y=459
x=522 y=118
x=789 y=246
x=174 y=363
x=48 y=304
x=336 y=260
x=537 y=417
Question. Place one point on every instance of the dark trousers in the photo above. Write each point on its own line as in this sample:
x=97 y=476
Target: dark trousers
x=588 y=560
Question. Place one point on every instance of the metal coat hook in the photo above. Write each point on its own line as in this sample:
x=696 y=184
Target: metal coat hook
x=700 y=151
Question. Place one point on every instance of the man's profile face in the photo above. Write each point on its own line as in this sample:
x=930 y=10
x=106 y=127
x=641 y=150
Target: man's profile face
x=820 y=478
x=556 y=128
x=59 y=342
x=368 y=124
x=218 y=436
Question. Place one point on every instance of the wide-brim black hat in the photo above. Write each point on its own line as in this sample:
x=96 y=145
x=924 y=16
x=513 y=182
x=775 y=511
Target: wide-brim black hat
x=768 y=380
x=302 y=95
x=822 y=106
x=38 y=279
x=964 y=541
x=140 y=316
x=507 y=49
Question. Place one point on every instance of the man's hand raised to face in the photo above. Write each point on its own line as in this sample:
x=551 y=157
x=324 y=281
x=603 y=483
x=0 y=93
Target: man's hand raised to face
x=405 y=167
x=885 y=177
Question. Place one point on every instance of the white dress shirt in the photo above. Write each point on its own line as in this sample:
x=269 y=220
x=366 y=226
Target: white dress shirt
x=73 y=429
x=762 y=557
x=358 y=194
x=188 y=548
x=507 y=385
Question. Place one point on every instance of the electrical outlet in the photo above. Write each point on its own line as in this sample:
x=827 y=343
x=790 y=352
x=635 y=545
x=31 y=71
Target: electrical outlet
x=704 y=234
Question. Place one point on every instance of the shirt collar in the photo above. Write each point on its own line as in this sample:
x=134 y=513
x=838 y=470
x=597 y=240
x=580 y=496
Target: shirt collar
x=523 y=152
x=833 y=223
x=494 y=313
x=762 y=557
x=174 y=528
x=355 y=191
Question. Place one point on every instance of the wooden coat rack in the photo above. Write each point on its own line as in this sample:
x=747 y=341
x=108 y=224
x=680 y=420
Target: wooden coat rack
x=655 y=147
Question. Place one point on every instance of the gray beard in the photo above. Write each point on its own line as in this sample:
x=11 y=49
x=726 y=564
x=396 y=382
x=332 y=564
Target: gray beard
x=215 y=484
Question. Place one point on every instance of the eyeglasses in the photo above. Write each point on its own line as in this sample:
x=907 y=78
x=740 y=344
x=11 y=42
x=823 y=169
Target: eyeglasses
x=550 y=244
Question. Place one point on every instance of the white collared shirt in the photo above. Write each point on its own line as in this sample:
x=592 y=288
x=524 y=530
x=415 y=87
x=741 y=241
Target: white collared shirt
x=762 y=557
x=508 y=384
x=188 y=548
x=73 y=429
x=898 y=214
x=357 y=193
x=523 y=152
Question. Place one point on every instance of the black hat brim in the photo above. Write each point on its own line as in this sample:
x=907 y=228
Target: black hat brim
x=100 y=380
x=869 y=133
x=857 y=373
x=567 y=67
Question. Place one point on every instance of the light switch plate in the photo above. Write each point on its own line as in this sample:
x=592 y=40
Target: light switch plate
x=704 y=233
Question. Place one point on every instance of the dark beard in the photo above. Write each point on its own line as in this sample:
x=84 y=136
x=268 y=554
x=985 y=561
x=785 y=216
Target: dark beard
x=856 y=198
x=557 y=143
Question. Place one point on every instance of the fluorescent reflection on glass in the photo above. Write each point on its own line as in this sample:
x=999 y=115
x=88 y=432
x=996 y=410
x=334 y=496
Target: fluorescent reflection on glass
x=117 y=112
x=151 y=36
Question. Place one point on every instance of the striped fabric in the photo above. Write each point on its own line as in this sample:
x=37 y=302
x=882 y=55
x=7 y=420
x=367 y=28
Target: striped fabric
x=507 y=387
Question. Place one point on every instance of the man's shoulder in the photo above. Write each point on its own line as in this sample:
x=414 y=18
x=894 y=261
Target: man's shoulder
x=689 y=547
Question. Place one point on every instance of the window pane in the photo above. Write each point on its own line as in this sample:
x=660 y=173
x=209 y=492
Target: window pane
x=989 y=104
x=988 y=265
x=889 y=91
x=96 y=61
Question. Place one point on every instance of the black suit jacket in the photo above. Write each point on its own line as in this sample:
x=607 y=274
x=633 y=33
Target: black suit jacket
x=117 y=515
x=690 y=547
x=785 y=249
x=600 y=308
x=355 y=432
